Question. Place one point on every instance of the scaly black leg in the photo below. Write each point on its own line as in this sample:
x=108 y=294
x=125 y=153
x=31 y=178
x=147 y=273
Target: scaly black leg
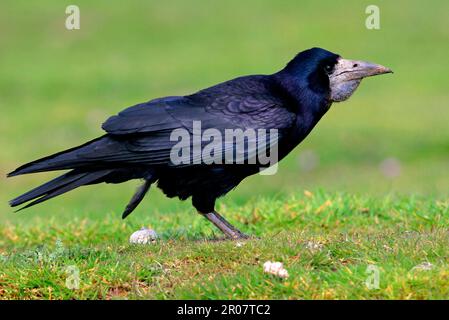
x=228 y=229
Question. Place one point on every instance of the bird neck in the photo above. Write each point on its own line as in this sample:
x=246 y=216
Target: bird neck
x=309 y=105
x=308 y=101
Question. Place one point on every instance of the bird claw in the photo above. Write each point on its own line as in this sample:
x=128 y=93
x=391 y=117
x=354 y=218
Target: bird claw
x=228 y=229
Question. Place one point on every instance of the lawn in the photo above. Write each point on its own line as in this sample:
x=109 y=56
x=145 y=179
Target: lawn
x=327 y=242
x=377 y=165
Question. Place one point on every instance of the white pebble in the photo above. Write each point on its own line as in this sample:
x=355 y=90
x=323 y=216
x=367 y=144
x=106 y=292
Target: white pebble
x=314 y=246
x=283 y=273
x=275 y=268
x=143 y=236
x=423 y=266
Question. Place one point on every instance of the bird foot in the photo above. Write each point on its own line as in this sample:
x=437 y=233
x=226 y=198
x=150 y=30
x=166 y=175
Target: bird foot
x=228 y=229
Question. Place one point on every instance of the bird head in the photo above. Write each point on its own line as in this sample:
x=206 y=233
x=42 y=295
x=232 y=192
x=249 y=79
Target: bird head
x=326 y=72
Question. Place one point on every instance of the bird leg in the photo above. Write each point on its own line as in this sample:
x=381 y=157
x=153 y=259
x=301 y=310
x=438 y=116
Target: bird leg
x=228 y=229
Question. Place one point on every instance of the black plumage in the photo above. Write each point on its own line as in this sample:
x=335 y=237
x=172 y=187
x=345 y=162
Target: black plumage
x=137 y=142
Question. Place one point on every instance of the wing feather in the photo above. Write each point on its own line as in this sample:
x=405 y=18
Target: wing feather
x=242 y=103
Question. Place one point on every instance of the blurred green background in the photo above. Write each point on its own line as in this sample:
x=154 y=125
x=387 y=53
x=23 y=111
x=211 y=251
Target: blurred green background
x=57 y=87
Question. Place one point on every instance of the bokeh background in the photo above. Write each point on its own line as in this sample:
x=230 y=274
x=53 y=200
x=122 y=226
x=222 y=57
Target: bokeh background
x=57 y=87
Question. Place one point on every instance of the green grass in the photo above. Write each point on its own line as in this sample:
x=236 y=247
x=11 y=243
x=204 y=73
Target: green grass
x=58 y=86
x=326 y=242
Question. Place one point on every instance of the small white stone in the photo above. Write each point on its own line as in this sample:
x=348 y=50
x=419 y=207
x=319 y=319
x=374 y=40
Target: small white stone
x=283 y=273
x=275 y=268
x=143 y=236
x=314 y=246
x=423 y=266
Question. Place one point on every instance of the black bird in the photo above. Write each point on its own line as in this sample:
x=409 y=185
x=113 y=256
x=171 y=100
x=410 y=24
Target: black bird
x=139 y=141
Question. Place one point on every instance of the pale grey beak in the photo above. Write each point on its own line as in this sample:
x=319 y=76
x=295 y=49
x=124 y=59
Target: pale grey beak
x=348 y=74
x=354 y=69
x=365 y=69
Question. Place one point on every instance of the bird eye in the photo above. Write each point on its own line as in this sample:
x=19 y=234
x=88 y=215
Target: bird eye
x=328 y=68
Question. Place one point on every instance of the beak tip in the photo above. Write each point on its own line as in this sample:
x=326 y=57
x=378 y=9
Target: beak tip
x=384 y=70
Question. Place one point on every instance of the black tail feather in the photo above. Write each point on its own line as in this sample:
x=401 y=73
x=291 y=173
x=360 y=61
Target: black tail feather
x=137 y=198
x=46 y=188
x=58 y=186
x=67 y=159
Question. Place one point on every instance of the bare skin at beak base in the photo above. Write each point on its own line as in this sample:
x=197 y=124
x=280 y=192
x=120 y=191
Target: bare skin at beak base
x=348 y=74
